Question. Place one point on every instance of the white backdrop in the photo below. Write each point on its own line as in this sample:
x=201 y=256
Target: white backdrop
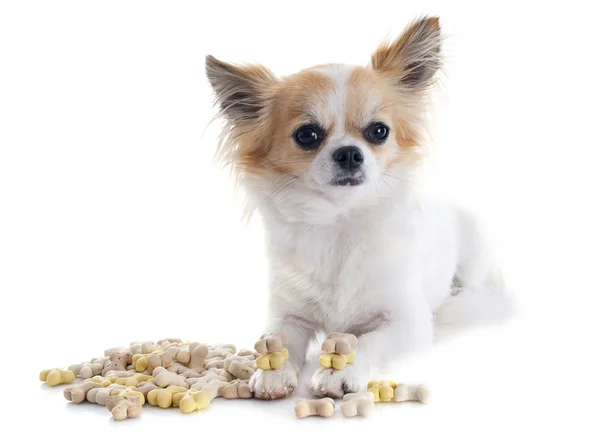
x=115 y=225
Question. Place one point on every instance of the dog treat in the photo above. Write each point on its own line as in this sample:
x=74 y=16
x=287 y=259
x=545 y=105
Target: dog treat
x=383 y=391
x=130 y=392
x=133 y=380
x=116 y=374
x=99 y=395
x=99 y=379
x=78 y=393
x=241 y=370
x=244 y=352
x=164 y=397
x=87 y=369
x=180 y=354
x=54 y=377
x=122 y=408
x=223 y=347
x=339 y=343
x=145 y=347
x=178 y=368
x=358 y=404
x=118 y=361
x=272 y=360
x=191 y=400
x=147 y=386
x=237 y=389
x=109 y=351
x=213 y=388
x=336 y=361
x=164 y=378
x=159 y=359
x=314 y=407
x=407 y=392
x=198 y=354
x=215 y=363
x=217 y=353
x=271 y=342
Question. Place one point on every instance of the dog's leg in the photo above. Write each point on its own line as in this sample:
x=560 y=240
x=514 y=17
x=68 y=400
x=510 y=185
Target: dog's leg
x=277 y=384
x=408 y=329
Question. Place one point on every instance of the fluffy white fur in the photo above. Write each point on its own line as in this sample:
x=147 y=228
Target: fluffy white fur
x=378 y=260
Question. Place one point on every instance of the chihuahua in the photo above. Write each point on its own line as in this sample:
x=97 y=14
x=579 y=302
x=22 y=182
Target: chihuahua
x=329 y=157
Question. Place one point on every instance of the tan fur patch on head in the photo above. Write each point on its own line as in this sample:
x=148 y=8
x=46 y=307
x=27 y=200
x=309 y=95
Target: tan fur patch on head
x=372 y=98
x=298 y=99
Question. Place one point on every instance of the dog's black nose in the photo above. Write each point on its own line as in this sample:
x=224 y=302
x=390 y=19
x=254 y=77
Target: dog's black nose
x=348 y=157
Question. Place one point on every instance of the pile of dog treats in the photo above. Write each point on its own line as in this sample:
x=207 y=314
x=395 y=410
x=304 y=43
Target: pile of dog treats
x=169 y=373
x=189 y=375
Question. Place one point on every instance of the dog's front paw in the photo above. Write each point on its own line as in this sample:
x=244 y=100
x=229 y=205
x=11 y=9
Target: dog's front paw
x=335 y=383
x=274 y=384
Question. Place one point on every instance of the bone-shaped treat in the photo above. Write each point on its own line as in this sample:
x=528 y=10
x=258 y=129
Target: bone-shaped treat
x=315 y=407
x=272 y=360
x=214 y=363
x=122 y=408
x=144 y=347
x=383 y=391
x=271 y=342
x=164 y=397
x=99 y=395
x=78 y=393
x=336 y=361
x=237 y=389
x=164 y=378
x=247 y=352
x=87 y=369
x=340 y=343
x=213 y=388
x=133 y=380
x=130 y=391
x=358 y=404
x=191 y=400
x=407 y=392
x=147 y=386
x=54 y=377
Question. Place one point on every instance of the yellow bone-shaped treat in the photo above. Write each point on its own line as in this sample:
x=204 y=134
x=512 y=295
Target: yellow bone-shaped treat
x=336 y=361
x=382 y=390
x=140 y=362
x=191 y=400
x=164 y=397
x=272 y=360
x=54 y=377
x=133 y=380
x=99 y=380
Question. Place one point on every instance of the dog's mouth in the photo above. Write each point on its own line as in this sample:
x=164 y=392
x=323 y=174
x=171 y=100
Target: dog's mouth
x=348 y=180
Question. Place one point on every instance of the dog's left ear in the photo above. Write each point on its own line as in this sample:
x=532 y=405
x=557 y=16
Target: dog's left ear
x=414 y=58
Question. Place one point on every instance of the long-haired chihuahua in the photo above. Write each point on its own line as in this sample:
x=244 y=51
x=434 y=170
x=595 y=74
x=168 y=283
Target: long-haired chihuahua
x=328 y=157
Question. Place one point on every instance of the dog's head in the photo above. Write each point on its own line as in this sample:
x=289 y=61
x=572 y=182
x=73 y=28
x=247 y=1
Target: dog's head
x=335 y=133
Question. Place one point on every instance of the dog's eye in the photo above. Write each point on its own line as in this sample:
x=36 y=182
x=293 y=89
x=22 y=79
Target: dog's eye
x=376 y=133
x=308 y=137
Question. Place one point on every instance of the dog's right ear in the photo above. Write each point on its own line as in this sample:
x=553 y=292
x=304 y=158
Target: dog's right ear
x=242 y=91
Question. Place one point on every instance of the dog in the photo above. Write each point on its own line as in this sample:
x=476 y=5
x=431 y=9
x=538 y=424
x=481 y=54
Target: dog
x=329 y=157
